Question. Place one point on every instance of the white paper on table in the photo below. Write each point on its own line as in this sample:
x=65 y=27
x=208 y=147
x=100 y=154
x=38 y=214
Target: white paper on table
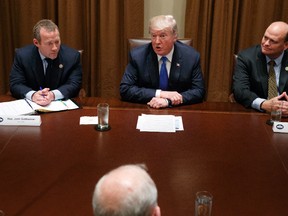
x=179 y=123
x=159 y=123
x=88 y=120
x=16 y=108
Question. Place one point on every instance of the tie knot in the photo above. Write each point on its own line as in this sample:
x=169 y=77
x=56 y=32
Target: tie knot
x=164 y=59
x=272 y=63
x=48 y=60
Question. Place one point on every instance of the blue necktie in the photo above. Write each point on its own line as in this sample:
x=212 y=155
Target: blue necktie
x=163 y=81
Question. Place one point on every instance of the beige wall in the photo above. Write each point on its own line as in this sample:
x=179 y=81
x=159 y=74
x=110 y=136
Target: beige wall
x=165 y=7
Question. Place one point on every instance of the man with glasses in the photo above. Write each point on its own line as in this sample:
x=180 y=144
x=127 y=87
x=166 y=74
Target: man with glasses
x=165 y=72
x=257 y=65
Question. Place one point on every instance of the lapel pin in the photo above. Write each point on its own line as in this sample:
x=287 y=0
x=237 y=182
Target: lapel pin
x=60 y=65
x=286 y=68
x=178 y=65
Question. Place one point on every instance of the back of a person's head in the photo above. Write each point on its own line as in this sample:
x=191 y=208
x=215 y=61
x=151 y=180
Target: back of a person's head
x=125 y=191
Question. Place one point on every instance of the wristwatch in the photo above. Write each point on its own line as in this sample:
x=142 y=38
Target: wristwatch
x=169 y=102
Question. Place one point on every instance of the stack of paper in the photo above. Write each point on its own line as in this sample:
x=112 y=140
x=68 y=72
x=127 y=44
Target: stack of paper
x=159 y=123
x=27 y=107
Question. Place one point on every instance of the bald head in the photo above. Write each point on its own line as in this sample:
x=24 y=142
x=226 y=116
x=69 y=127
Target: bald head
x=275 y=39
x=127 y=190
x=280 y=29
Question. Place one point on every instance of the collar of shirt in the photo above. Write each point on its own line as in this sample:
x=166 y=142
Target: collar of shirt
x=41 y=56
x=44 y=62
x=168 y=56
x=277 y=60
x=277 y=67
x=169 y=60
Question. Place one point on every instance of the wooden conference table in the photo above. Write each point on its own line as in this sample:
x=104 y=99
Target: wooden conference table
x=224 y=149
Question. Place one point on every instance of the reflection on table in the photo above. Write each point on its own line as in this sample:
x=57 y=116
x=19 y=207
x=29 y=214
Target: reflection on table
x=224 y=148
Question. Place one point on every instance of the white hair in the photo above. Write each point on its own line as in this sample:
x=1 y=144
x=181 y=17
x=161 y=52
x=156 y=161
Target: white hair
x=163 y=22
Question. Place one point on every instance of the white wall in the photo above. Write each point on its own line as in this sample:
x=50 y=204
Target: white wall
x=165 y=7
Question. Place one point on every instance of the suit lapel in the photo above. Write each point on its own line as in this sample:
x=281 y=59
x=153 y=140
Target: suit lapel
x=262 y=71
x=37 y=68
x=152 y=68
x=283 y=80
x=175 y=66
x=56 y=72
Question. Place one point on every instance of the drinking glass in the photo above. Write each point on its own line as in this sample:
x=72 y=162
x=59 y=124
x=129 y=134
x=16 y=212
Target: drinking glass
x=103 y=117
x=203 y=203
x=276 y=111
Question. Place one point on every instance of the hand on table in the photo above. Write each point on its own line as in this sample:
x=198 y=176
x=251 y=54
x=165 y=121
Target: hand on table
x=43 y=97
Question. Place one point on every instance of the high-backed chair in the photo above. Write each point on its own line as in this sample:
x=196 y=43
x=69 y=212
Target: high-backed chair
x=82 y=92
x=231 y=96
x=134 y=42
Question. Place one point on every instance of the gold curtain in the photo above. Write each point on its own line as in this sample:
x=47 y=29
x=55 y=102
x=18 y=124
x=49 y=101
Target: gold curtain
x=221 y=28
x=100 y=28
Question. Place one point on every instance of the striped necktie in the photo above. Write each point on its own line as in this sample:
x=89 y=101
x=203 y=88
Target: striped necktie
x=272 y=86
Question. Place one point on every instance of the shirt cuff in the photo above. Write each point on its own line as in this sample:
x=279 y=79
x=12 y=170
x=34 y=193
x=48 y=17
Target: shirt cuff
x=256 y=104
x=29 y=95
x=58 y=95
x=157 y=94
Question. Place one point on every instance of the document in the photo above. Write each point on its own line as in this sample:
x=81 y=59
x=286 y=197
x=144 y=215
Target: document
x=159 y=123
x=27 y=107
x=23 y=120
x=88 y=120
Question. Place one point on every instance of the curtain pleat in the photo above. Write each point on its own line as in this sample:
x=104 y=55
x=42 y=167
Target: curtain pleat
x=221 y=28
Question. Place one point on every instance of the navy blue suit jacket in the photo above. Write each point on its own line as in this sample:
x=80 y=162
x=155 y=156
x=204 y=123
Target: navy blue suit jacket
x=141 y=77
x=250 y=79
x=27 y=72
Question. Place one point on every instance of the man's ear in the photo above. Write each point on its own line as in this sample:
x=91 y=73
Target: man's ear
x=35 y=42
x=156 y=211
x=285 y=45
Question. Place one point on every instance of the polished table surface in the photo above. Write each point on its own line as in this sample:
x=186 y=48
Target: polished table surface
x=224 y=149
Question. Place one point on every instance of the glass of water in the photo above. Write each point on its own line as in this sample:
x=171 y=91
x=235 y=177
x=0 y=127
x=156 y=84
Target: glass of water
x=103 y=117
x=276 y=111
x=203 y=203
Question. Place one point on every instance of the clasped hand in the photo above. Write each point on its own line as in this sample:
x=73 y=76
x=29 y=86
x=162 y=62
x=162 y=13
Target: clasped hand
x=161 y=102
x=43 y=97
x=281 y=100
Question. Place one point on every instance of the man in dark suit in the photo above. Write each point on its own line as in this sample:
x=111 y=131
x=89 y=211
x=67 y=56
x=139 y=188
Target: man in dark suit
x=142 y=80
x=250 y=80
x=47 y=70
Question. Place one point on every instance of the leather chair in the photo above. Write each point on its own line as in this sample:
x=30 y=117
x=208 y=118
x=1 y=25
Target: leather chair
x=134 y=42
x=82 y=92
x=231 y=98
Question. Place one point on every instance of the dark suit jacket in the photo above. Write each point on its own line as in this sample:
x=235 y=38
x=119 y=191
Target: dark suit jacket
x=141 y=77
x=27 y=72
x=250 y=79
